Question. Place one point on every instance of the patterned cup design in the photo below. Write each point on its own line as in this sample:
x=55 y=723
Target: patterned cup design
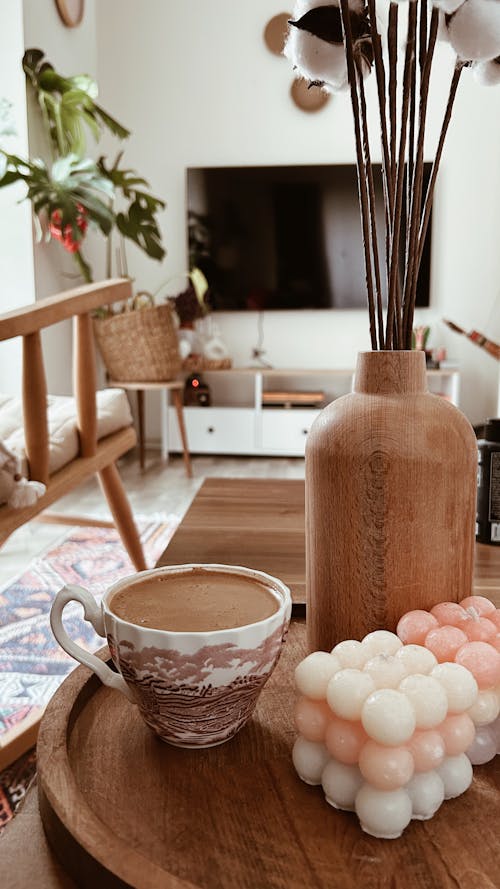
x=194 y=689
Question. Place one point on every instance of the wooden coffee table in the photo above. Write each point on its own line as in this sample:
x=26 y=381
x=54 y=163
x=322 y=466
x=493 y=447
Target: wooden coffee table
x=255 y=522
x=260 y=522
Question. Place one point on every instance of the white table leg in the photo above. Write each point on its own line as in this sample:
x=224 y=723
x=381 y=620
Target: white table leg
x=165 y=402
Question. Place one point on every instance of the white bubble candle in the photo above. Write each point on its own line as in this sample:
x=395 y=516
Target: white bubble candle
x=464 y=636
x=383 y=727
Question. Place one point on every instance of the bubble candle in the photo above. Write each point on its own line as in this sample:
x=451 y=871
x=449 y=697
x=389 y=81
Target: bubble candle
x=383 y=727
x=464 y=636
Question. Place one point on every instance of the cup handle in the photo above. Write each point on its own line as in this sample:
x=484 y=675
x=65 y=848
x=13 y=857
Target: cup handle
x=91 y=612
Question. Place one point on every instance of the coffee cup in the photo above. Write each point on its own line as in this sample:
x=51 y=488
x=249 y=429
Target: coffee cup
x=194 y=666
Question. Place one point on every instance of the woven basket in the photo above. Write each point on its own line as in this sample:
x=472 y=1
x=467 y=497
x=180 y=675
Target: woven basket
x=140 y=346
x=198 y=363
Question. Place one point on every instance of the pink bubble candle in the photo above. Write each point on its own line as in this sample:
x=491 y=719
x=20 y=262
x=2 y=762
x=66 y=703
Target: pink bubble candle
x=383 y=726
x=464 y=635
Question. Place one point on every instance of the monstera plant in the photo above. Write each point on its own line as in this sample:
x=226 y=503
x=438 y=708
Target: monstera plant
x=69 y=191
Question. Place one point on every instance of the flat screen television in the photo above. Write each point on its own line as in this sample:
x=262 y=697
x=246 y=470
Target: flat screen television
x=285 y=237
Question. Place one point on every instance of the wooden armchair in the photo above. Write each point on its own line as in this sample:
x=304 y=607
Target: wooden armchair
x=95 y=456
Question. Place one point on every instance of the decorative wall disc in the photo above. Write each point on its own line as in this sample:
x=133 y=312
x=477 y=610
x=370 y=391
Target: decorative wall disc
x=70 y=11
x=275 y=32
x=306 y=99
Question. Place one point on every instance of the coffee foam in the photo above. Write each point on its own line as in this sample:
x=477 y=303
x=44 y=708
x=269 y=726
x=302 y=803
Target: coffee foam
x=197 y=600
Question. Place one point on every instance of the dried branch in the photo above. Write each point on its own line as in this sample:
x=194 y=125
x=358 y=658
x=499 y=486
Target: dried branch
x=387 y=182
x=411 y=270
x=439 y=151
x=392 y=42
x=368 y=169
x=362 y=186
x=394 y=306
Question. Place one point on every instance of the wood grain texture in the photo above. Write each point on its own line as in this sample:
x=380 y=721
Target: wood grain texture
x=257 y=523
x=79 y=470
x=113 y=490
x=34 y=396
x=177 y=396
x=77 y=301
x=141 y=422
x=93 y=457
x=390 y=502
x=117 y=804
x=85 y=384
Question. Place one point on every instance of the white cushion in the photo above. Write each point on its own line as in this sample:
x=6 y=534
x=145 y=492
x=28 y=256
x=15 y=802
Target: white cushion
x=113 y=413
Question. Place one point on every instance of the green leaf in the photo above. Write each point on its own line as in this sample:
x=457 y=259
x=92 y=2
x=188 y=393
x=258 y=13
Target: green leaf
x=110 y=123
x=86 y=84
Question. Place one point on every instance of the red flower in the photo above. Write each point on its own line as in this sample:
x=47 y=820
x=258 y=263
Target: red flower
x=66 y=236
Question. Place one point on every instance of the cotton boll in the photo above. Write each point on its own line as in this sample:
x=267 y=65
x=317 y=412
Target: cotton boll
x=303 y=6
x=315 y=43
x=448 y=6
x=487 y=73
x=442 y=31
x=474 y=30
x=315 y=59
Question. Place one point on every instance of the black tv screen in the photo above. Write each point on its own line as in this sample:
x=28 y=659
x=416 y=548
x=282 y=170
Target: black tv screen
x=285 y=237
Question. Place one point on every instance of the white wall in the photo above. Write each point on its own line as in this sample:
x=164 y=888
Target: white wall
x=198 y=87
x=71 y=51
x=16 y=254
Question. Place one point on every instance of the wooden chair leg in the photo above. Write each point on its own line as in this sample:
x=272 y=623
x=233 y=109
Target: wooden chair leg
x=114 y=492
x=178 y=401
x=141 y=418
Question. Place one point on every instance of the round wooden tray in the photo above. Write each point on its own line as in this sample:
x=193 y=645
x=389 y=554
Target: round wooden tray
x=120 y=808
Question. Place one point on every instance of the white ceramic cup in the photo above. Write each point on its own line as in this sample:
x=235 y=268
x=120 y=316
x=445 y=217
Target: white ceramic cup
x=194 y=689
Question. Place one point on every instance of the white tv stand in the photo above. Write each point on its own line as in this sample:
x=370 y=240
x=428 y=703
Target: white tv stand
x=237 y=423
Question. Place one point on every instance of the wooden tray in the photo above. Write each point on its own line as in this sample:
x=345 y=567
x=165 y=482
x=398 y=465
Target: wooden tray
x=122 y=809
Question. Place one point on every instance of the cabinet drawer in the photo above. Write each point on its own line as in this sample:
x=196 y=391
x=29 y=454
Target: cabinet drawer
x=215 y=430
x=286 y=430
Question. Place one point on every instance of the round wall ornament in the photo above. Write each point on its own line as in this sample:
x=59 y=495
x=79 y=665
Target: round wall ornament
x=308 y=98
x=276 y=31
x=70 y=11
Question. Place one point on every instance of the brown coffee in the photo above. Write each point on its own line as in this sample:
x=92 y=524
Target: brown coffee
x=195 y=601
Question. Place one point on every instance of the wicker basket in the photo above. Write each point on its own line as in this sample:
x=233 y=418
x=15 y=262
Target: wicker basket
x=140 y=346
x=198 y=363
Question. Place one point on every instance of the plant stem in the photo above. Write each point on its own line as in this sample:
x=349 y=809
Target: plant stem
x=368 y=170
x=386 y=157
x=392 y=42
x=362 y=189
x=394 y=303
x=411 y=272
x=83 y=266
x=459 y=66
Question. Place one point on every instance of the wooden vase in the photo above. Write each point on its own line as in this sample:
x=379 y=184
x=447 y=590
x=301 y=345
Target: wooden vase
x=390 y=502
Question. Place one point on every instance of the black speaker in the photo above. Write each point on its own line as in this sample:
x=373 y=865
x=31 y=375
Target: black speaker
x=196 y=391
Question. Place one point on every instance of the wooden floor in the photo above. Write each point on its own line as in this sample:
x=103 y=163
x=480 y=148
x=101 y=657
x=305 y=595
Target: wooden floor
x=161 y=488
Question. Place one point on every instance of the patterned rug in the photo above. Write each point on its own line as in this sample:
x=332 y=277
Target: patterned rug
x=32 y=665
